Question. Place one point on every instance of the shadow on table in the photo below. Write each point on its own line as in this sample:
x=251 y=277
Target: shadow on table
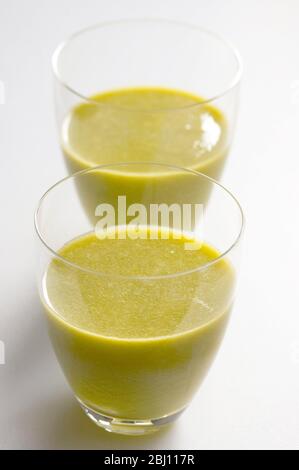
x=61 y=424
x=28 y=347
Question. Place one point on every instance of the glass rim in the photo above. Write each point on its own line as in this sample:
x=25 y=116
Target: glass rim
x=235 y=80
x=56 y=255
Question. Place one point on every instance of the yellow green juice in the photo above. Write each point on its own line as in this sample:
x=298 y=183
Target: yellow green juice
x=144 y=125
x=137 y=327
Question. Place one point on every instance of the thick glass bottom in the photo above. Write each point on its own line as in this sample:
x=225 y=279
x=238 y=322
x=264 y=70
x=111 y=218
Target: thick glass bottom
x=131 y=427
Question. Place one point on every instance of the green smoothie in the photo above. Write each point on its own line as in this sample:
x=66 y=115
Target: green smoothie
x=144 y=125
x=134 y=338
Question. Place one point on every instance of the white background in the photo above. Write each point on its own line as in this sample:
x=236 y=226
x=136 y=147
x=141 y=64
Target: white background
x=251 y=396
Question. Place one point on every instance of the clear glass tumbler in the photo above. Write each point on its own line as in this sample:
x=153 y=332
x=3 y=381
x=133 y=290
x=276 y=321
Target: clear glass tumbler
x=146 y=90
x=138 y=293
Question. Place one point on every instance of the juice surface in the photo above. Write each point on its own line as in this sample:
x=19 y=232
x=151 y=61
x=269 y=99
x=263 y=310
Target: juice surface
x=146 y=124
x=136 y=348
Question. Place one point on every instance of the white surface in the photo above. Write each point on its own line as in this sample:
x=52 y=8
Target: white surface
x=251 y=396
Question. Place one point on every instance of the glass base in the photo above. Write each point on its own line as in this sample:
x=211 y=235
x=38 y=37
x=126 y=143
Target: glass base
x=131 y=427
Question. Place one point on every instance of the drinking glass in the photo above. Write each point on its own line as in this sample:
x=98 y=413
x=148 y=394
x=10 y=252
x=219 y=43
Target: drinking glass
x=137 y=307
x=187 y=80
